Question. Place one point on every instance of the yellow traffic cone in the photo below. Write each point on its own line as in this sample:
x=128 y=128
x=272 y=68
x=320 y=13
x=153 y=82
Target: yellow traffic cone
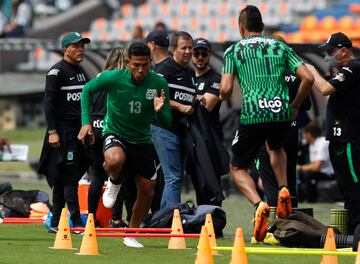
x=176 y=228
x=238 y=255
x=203 y=255
x=89 y=244
x=63 y=237
x=357 y=261
x=330 y=244
x=210 y=228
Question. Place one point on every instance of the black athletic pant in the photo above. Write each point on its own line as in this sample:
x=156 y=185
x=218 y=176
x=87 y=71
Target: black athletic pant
x=65 y=189
x=345 y=159
x=98 y=174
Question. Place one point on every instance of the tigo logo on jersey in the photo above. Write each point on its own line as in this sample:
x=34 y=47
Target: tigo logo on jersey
x=274 y=105
x=150 y=94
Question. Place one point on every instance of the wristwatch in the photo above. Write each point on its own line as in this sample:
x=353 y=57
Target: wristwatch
x=52 y=131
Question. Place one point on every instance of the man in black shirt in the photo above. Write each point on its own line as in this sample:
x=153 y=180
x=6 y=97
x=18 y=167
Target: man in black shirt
x=206 y=182
x=207 y=82
x=168 y=142
x=158 y=43
x=60 y=157
x=342 y=117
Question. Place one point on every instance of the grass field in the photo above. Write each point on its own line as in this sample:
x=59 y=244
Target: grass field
x=29 y=243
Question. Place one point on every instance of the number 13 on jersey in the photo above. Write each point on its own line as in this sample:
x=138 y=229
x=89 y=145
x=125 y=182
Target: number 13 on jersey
x=135 y=107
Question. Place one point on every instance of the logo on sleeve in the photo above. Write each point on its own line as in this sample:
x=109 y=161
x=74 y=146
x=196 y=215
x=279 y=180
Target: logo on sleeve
x=215 y=86
x=274 y=104
x=340 y=77
x=53 y=72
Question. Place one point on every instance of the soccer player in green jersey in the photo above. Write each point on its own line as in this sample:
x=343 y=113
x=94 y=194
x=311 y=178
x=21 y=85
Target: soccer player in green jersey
x=260 y=64
x=134 y=96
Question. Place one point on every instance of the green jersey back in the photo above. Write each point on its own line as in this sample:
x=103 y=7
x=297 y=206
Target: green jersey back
x=260 y=64
x=130 y=106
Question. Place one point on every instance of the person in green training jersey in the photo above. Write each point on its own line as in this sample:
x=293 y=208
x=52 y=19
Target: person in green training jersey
x=134 y=96
x=260 y=64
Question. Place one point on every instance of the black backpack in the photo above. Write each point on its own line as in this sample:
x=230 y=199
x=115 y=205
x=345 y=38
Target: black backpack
x=299 y=230
x=192 y=217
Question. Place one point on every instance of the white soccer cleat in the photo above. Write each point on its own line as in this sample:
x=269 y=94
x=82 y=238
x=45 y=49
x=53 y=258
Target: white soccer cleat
x=132 y=242
x=110 y=194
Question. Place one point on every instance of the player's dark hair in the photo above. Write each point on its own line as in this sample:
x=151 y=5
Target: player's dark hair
x=251 y=18
x=178 y=35
x=138 y=49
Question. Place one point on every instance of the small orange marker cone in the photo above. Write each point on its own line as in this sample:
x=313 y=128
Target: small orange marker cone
x=238 y=255
x=63 y=237
x=176 y=228
x=330 y=244
x=203 y=255
x=89 y=244
x=357 y=261
x=210 y=228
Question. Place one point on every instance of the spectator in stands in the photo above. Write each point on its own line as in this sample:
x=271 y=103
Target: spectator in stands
x=266 y=114
x=138 y=34
x=342 y=117
x=169 y=142
x=116 y=59
x=319 y=167
x=160 y=26
x=207 y=88
x=63 y=158
x=20 y=19
x=4 y=142
x=134 y=96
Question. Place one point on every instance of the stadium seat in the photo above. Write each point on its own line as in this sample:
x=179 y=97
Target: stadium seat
x=355 y=8
x=144 y=10
x=99 y=25
x=309 y=23
x=127 y=10
x=345 y=23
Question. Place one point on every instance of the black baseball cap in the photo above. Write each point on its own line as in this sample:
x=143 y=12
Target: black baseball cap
x=72 y=38
x=201 y=43
x=159 y=37
x=336 y=40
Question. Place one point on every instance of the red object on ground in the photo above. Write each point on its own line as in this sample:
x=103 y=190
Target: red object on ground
x=126 y=230
x=103 y=215
x=146 y=235
x=20 y=220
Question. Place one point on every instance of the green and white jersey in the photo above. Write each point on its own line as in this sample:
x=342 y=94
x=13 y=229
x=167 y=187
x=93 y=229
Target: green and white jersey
x=130 y=106
x=260 y=64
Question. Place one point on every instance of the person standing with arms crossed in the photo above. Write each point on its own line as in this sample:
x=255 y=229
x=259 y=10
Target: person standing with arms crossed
x=260 y=64
x=342 y=118
x=60 y=158
x=134 y=96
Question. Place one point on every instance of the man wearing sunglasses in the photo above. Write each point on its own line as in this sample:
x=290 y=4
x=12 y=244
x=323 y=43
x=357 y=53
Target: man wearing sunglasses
x=207 y=82
x=342 y=117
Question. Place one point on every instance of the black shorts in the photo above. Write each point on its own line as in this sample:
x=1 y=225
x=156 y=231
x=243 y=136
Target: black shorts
x=141 y=159
x=249 y=139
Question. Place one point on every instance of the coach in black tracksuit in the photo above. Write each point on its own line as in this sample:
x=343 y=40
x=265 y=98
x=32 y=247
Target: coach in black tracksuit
x=60 y=158
x=342 y=118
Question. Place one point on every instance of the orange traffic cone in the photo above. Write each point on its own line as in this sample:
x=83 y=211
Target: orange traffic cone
x=203 y=255
x=238 y=255
x=330 y=244
x=210 y=228
x=176 y=228
x=63 y=237
x=89 y=244
x=357 y=261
